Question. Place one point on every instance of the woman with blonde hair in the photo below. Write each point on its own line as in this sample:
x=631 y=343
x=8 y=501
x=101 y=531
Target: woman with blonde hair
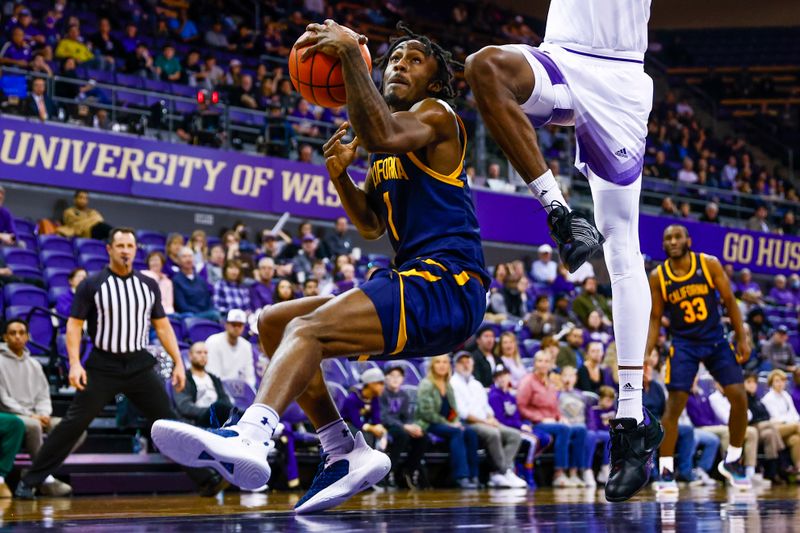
x=174 y=244
x=436 y=414
x=198 y=242
x=508 y=350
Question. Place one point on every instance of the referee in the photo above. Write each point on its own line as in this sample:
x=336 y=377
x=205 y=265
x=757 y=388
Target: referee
x=119 y=305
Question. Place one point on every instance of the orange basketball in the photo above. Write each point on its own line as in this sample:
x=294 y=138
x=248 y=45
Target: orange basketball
x=319 y=78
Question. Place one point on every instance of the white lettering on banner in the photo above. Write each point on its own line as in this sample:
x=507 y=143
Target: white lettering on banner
x=154 y=162
x=81 y=161
x=43 y=151
x=189 y=164
x=22 y=147
x=132 y=158
x=303 y=188
x=213 y=169
x=242 y=180
x=172 y=163
x=262 y=176
x=104 y=159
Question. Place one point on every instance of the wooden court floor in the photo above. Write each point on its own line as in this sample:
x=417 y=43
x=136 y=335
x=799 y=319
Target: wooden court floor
x=703 y=509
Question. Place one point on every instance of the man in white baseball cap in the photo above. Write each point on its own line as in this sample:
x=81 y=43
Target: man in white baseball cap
x=544 y=269
x=230 y=356
x=362 y=408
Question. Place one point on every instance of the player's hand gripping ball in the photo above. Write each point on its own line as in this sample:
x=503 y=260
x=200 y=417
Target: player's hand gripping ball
x=314 y=65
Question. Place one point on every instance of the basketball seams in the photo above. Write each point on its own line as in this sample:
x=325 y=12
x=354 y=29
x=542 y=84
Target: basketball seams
x=325 y=94
x=328 y=80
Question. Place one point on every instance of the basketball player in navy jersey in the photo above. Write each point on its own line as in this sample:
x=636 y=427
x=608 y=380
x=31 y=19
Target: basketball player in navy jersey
x=687 y=289
x=431 y=301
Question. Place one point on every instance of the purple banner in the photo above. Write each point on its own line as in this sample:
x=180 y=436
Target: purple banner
x=71 y=157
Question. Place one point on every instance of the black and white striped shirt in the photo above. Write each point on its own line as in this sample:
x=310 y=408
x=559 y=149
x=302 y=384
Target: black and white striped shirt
x=118 y=309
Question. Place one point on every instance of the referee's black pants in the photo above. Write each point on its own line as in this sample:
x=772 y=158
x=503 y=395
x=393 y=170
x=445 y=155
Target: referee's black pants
x=107 y=375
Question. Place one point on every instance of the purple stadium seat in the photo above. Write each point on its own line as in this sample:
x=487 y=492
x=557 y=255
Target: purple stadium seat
x=100 y=76
x=240 y=392
x=178 y=328
x=338 y=393
x=294 y=415
x=40 y=326
x=139 y=264
x=199 y=329
x=149 y=238
x=58 y=260
x=130 y=99
x=25 y=226
x=28 y=241
x=18 y=256
x=92 y=263
x=130 y=80
x=91 y=247
x=20 y=294
x=185 y=108
x=179 y=89
x=157 y=86
x=55 y=292
x=55 y=243
x=25 y=271
x=242 y=117
x=335 y=372
x=61 y=348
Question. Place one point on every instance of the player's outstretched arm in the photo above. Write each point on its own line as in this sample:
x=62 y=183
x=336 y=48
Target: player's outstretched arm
x=656 y=312
x=355 y=201
x=379 y=130
x=723 y=286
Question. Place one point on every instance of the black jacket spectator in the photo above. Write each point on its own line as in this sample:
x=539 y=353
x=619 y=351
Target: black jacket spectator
x=201 y=416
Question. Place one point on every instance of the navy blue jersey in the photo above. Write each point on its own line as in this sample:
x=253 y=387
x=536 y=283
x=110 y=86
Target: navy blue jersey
x=691 y=302
x=427 y=214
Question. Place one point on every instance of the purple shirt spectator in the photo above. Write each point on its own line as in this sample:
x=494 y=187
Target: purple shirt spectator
x=700 y=411
x=783 y=296
x=16 y=53
x=7 y=221
x=749 y=286
x=357 y=412
x=504 y=405
x=795 y=394
x=261 y=295
x=64 y=303
x=595 y=421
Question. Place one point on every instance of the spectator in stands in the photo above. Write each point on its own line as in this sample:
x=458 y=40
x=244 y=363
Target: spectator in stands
x=234 y=76
x=155 y=270
x=283 y=292
x=570 y=353
x=598 y=420
x=348 y=279
x=173 y=246
x=141 y=63
x=198 y=242
x=780 y=294
x=245 y=94
x=595 y=331
x=397 y=415
x=8 y=229
x=309 y=252
x=541 y=321
x=72 y=45
x=711 y=412
x=337 y=243
x=687 y=174
x=193 y=295
x=562 y=311
x=778 y=352
x=746 y=283
x=758 y=222
x=216 y=38
x=325 y=280
x=202 y=127
x=507 y=350
x=710 y=213
x=483 y=356
x=436 y=414
x=668 y=208
x=262 y=290
x=362 y=409
x=593 y=375
x=16 y=52
x=310 y=287
x=244 y=39
x=130 y=39
x=659 y=169
x=183 y=27
x=12 y=431
x=25 y=392
x=768 y=432
x=537 y=399
x=573 y=407
x=191 y=68
x=589 y=300
x=789 y=225
x=64 y=300
x=782 y=411
x=211 y=74
x=39 y=104
x=303 y=120
x=544 y=269
x=203 y=400
x=168 y=66
x=230 y=292
x=105 y=46
x=685 y=210
x=80 y=220
x=216 y=258
x=230 y=356
x=472 y=405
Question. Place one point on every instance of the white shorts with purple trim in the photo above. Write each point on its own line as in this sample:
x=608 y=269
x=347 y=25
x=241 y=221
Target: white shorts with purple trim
x=607 y=99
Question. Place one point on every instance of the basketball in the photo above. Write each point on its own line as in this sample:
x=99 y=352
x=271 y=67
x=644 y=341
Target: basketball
x=319 y=78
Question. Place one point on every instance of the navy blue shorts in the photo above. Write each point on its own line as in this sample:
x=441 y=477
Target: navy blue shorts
x=427 y=306
x=685 y=358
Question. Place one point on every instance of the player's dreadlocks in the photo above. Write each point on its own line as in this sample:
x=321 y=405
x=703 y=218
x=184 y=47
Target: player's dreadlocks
x=447 y=65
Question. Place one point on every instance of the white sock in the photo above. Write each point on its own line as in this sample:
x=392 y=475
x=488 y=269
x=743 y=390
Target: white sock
x=259 y=422
x=750 y=471
x=2 y=479
x=666 y=463
x=49 y=479
x=733 y=455
x=336 y=438
x=545 y=188
x=630 y=395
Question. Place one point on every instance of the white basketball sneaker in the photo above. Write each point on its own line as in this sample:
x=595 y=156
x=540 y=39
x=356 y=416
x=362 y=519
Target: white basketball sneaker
x=240 y=460
x=339 y=477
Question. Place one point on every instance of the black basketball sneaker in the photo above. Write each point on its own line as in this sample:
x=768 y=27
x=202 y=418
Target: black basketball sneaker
x=577 y=238
x=632 y=449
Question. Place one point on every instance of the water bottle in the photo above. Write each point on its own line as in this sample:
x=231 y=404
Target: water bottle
x=139 y=443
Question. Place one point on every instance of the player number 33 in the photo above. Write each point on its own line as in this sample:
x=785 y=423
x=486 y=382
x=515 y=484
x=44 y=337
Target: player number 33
x=694 y=310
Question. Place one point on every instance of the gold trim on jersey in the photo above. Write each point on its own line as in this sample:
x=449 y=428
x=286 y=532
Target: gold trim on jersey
x=452 y=178
x=689 y=274
x=668 y=366
x=402 y=335
x=662 y=282
x=706 y=273
x=388 y=203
